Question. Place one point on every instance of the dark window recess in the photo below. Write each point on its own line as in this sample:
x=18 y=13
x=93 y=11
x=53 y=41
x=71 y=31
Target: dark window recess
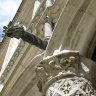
x=53 y=25
x=94 y=55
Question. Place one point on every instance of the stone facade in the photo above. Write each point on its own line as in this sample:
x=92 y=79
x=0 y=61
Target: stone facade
x=69 y=26
x=3 y=49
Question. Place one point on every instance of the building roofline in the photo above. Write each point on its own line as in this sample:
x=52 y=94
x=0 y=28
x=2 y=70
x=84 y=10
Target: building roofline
x=18 y=11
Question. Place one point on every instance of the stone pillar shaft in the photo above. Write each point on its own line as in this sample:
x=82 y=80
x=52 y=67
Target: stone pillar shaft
x=47 y=30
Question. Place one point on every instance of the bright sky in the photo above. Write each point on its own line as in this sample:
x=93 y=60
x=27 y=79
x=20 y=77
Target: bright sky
x=8 y=9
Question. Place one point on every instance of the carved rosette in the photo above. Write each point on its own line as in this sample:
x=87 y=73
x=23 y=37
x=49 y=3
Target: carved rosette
x=63 y=67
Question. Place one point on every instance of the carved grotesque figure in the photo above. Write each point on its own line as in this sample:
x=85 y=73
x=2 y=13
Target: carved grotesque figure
x=19 y=32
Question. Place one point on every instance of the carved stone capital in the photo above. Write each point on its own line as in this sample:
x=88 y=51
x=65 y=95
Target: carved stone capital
x=66 y=66
x=62 y=65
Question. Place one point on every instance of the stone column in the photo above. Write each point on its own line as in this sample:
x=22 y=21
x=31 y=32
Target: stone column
x=47 y=28
x=48 y=23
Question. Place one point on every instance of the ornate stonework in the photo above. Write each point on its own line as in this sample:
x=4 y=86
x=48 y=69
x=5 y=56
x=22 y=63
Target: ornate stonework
x=64 y=67
x=62 y=74
x=74 y=86
x=12 y=61
x=56 y=67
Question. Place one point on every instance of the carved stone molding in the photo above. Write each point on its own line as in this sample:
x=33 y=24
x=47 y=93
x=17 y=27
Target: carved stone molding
x=12 y=61
x=55 y=10
x=37 y=16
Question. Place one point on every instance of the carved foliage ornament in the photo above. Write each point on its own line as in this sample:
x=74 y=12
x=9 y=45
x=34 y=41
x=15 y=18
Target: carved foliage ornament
x=63 y=67
x=58 y=66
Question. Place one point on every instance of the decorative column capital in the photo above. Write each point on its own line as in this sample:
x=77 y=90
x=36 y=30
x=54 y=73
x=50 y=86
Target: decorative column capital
x=53 y=68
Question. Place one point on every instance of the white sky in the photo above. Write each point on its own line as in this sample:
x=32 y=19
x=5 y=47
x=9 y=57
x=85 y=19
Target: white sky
x=8 y=9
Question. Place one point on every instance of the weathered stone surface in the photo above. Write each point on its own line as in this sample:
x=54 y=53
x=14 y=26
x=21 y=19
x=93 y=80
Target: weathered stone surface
x=74 y=30
x=75 y=86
